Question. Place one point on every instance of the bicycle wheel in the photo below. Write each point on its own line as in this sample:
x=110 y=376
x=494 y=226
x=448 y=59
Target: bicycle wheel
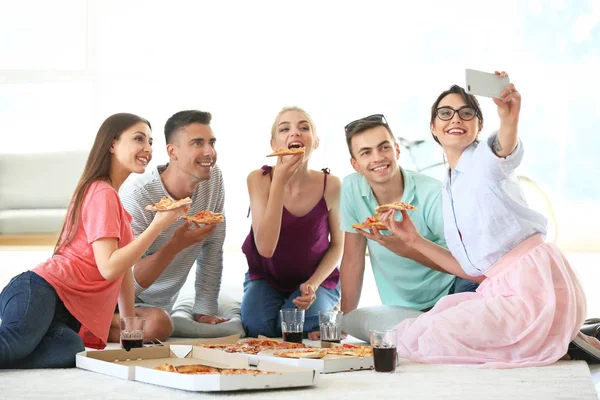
x=539 y=201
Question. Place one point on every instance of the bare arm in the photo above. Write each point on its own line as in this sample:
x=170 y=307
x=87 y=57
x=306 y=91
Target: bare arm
x=113 y=262
x=406 y=231
x=398 y=247
x=148 y=269
x=442 y=256
x=127 y=296
x=266 y=202
x=508 y=110
x=352 y=270
x=333 y=254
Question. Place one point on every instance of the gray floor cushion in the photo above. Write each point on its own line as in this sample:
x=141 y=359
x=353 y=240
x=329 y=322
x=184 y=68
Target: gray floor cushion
x=360 y=322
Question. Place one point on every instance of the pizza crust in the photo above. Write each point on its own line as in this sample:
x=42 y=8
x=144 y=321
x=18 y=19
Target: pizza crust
x=255 y=346
x=397 y=205
x=286 y=152
x=372 y=221
x=355 y=351
x=197 y=369
x=301 y=353
x=205 y=217
x=168 y=204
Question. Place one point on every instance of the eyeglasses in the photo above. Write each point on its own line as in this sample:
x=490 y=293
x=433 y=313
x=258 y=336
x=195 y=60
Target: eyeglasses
x=371 y=118
x=465 y=113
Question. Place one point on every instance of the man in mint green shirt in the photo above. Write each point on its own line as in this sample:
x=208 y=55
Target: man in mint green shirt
x=404 y=277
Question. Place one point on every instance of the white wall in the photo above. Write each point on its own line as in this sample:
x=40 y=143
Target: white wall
x=66 y=65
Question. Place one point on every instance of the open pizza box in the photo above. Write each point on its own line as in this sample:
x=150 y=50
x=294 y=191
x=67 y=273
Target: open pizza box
x=138 y=364
x=328 y=364
x=231 y=339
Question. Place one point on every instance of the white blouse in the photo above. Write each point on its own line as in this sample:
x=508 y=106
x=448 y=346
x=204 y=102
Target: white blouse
x=485 y=212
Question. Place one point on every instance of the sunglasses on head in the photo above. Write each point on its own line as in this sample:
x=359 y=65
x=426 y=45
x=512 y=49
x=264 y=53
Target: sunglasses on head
x=371 y=118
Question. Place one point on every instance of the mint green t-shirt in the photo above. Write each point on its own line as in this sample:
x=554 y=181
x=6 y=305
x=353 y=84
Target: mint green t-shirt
x=401 y=281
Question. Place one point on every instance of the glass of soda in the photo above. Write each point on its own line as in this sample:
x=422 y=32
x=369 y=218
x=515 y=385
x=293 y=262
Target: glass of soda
x=385 y=354
x=132 y=332
x=330 y=325
x=292 y=324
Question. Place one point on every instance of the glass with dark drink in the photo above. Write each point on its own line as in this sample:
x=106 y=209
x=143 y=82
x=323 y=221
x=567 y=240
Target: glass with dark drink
x=330 y=326
x=129 y=344
x=385 y=354
x=132 y=332
x=385 y=358
x=294 y=337
x=292 y=324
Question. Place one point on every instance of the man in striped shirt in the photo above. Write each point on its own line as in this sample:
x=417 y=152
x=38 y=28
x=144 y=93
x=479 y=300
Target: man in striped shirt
x=161 y=273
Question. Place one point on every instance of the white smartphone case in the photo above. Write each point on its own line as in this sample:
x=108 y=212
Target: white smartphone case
x=484 y=84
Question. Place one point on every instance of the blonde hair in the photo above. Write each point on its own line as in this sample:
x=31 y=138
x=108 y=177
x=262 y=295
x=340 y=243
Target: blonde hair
x=297 y=109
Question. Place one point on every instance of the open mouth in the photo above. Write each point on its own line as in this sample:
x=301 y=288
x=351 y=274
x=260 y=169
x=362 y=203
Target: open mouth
x=456 y=131
x=381 y=169
x=296 y=145
x=205 y=164
x=142 y=160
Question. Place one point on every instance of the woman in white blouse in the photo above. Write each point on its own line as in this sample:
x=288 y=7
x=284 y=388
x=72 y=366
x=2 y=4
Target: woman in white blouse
x=530 y=305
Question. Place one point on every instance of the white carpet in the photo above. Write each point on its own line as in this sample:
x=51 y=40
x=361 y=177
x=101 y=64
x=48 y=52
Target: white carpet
x=564 y=380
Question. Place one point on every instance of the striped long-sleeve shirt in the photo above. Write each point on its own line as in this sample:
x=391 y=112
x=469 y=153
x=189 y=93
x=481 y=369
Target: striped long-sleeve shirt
x=209 y=195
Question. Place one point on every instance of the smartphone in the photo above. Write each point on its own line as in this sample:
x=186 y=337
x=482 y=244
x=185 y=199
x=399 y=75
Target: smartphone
x=485 y=84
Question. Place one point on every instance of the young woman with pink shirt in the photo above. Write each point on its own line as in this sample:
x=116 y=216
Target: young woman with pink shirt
x=50 y=312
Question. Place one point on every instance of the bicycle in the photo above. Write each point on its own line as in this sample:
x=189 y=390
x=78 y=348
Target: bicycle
x=536 y=198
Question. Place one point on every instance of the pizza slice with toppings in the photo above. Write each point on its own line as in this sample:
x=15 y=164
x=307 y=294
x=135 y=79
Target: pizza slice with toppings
x=372 y=221
x=205 y=217
x=397 y=205
x=282 y=151
x=167 y=203
x=301 y=353
x=350 y=350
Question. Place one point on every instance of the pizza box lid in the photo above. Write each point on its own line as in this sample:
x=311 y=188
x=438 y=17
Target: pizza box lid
x=328 y=364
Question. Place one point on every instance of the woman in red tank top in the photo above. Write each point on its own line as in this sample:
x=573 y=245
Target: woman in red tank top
x=295 y=242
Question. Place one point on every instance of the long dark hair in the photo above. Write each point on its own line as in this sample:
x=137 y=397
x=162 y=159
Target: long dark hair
x=96 y=168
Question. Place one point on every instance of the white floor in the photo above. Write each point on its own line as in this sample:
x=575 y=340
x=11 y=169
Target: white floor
x=17 y=259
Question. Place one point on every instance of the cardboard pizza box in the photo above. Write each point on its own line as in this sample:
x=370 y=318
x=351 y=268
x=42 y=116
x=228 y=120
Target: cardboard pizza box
x=221 y=340
x=138 y=364
x=329 y=364
x=326 y=365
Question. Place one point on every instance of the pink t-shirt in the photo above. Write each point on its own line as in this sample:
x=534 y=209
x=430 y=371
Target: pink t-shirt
x=73 y=272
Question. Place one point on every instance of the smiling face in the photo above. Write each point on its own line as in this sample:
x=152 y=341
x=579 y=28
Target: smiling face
x=455 y=134
x=133 y=149
x=375 y=155
x=193 y=151
x=294 y=129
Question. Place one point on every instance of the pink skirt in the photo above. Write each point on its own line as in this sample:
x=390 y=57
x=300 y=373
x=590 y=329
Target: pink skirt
x=525 y=313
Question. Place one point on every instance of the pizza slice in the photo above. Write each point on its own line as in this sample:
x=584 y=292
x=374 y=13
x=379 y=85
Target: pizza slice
x=372 y=221
x=205 y=217
x=168 y=204
x=397 y=205
x=287 y=152
x=301 y=353
x=197 y=369
x=355 y=351
x=232 y=371
x=166 y=367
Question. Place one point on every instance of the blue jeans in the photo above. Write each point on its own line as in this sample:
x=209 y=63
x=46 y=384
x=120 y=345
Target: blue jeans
x=461 y=285
x=37 y=331
x=261 y=304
